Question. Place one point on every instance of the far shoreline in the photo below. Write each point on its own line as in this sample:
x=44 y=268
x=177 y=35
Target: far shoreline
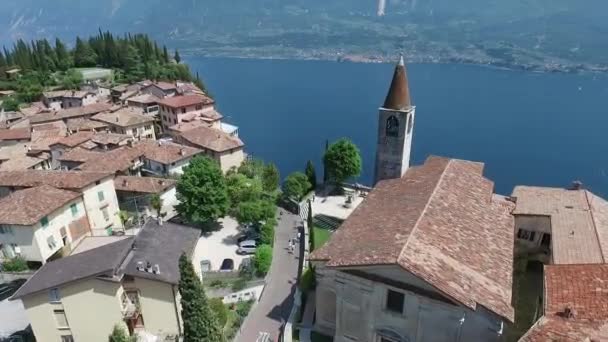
x=582 y=69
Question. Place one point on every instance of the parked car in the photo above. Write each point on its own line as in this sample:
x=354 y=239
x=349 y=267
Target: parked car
x=227 y=265
x=247 y=247
x=249 y=235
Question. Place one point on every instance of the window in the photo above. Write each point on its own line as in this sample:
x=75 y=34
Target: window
x=101 y=196
x=44 y=222
x=147 y=127
x=74 y=209
x=183 y=110
x=51 y=242
x=6 y=230
x=199 y=107
x=395 y=301
x=67 y=338
x=54 y=295
x=526 y=235
x=392 y=126
x=106 y=215
x=61 y=319
x=410 y=125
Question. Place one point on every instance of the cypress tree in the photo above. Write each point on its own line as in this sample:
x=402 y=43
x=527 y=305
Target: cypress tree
x=84 y=55
x=325 y=174
x=311 y=229
x=200 y=322
x=2 y=60
x=177 y=57
x=311 y=174
x=63 y=57
x=165 y=54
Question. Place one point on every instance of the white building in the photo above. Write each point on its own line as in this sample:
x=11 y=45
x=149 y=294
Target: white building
x=163 y=158
x=135 y=195
x=97 y=189
x=63 y=99
x=226 y=149
x=124 y=121
x=38 y=223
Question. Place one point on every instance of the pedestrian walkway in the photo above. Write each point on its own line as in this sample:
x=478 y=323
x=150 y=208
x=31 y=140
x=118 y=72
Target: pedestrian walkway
x=275 y=304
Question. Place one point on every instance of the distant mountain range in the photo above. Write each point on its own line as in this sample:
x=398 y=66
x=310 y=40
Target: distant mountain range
x=533 y=34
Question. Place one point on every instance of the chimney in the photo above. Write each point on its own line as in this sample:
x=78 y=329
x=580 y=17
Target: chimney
x=148 y=267
x=140 y=266
x=156 y=269
x=117 y=119
x=569 y=313
x=125 y=182
x=181 y=152
x=161 y=182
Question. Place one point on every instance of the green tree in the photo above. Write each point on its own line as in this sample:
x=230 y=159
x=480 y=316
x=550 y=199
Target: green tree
x=200 y=322
x=325 y=174
x=119 y=334
x=220 y=310
x=251 y=212
x=157 y=204
x=270 y=177
x=242 y=188
x=296 y=185
x=311 y=228
x=10 y=104
x=342 y=161
x=262 y=259
x=165 y=54
x=311 y=174
x=267 y=231
x=202 y=192
x=84 y=56
x=252 y=168
x=71 y=80
x=177 y=57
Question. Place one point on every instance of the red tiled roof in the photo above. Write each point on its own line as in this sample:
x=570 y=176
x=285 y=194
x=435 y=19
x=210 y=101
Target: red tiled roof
x=123 y=118
x=15 y=134
x=211 y=139
x=75 y=139
x=581 y=288
x=148 y=185
x=442 y=223
x=59 y=179
x=165 y=85
x=166 y=152
x=116 y=160
x=79 y=154
x=75 y=112
x=186 y=100
x=27 y=207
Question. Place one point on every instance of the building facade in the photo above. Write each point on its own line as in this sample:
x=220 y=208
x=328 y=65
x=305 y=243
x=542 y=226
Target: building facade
x=174 y=110
x=60 y=221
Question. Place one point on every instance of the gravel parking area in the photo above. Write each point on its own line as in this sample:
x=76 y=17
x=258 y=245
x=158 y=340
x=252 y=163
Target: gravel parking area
x=218 y=246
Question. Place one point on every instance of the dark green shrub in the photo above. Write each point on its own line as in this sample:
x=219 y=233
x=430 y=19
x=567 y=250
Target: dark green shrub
x=16 y=264
x=220 y=310
x=262 y=259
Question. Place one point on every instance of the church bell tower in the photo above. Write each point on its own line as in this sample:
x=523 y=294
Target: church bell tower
x=395 y=128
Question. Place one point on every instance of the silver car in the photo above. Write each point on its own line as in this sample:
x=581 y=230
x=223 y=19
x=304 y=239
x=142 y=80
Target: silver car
x=246 y=247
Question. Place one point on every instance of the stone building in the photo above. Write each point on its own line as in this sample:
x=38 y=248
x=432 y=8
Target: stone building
x=395 y=128
x=426 y=257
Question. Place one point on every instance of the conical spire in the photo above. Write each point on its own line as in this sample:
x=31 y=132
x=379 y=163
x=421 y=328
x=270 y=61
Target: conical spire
x=398 y=97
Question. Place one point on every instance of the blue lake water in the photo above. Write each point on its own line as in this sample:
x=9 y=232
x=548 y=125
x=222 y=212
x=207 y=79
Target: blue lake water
x=529 y=128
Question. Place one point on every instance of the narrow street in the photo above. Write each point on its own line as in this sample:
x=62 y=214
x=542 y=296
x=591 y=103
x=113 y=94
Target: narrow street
x=274 y=306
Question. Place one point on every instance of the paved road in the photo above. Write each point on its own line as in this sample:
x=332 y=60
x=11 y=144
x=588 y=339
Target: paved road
x=274 y=306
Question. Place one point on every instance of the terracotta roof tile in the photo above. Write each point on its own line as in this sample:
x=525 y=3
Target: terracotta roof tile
x=84 y=124
x=166 y=152
x=149 y=185
x=123 y=118
x=72 y=180
x=440 y=222
x=116 y=160
x=28 y=206
x=75 y=112
x=145 y=99
x=15 y=134
x=581 y=288
x=23 y=162
x=75 y=139
x=79 y=154
x=579 y=221
x=211 y=139
x=186 y=100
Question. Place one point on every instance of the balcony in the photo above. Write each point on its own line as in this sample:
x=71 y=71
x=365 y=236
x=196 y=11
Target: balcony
x=130 y=311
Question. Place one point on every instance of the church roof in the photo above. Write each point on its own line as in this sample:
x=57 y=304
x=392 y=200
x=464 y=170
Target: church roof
x=398 y=97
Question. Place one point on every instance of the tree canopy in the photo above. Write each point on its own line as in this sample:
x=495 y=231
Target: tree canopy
x=342 y=160
x=254 y=211
x=296 y=185
x=200 y=321
x=202 y=192
x=270 y=177
x=119 y=334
